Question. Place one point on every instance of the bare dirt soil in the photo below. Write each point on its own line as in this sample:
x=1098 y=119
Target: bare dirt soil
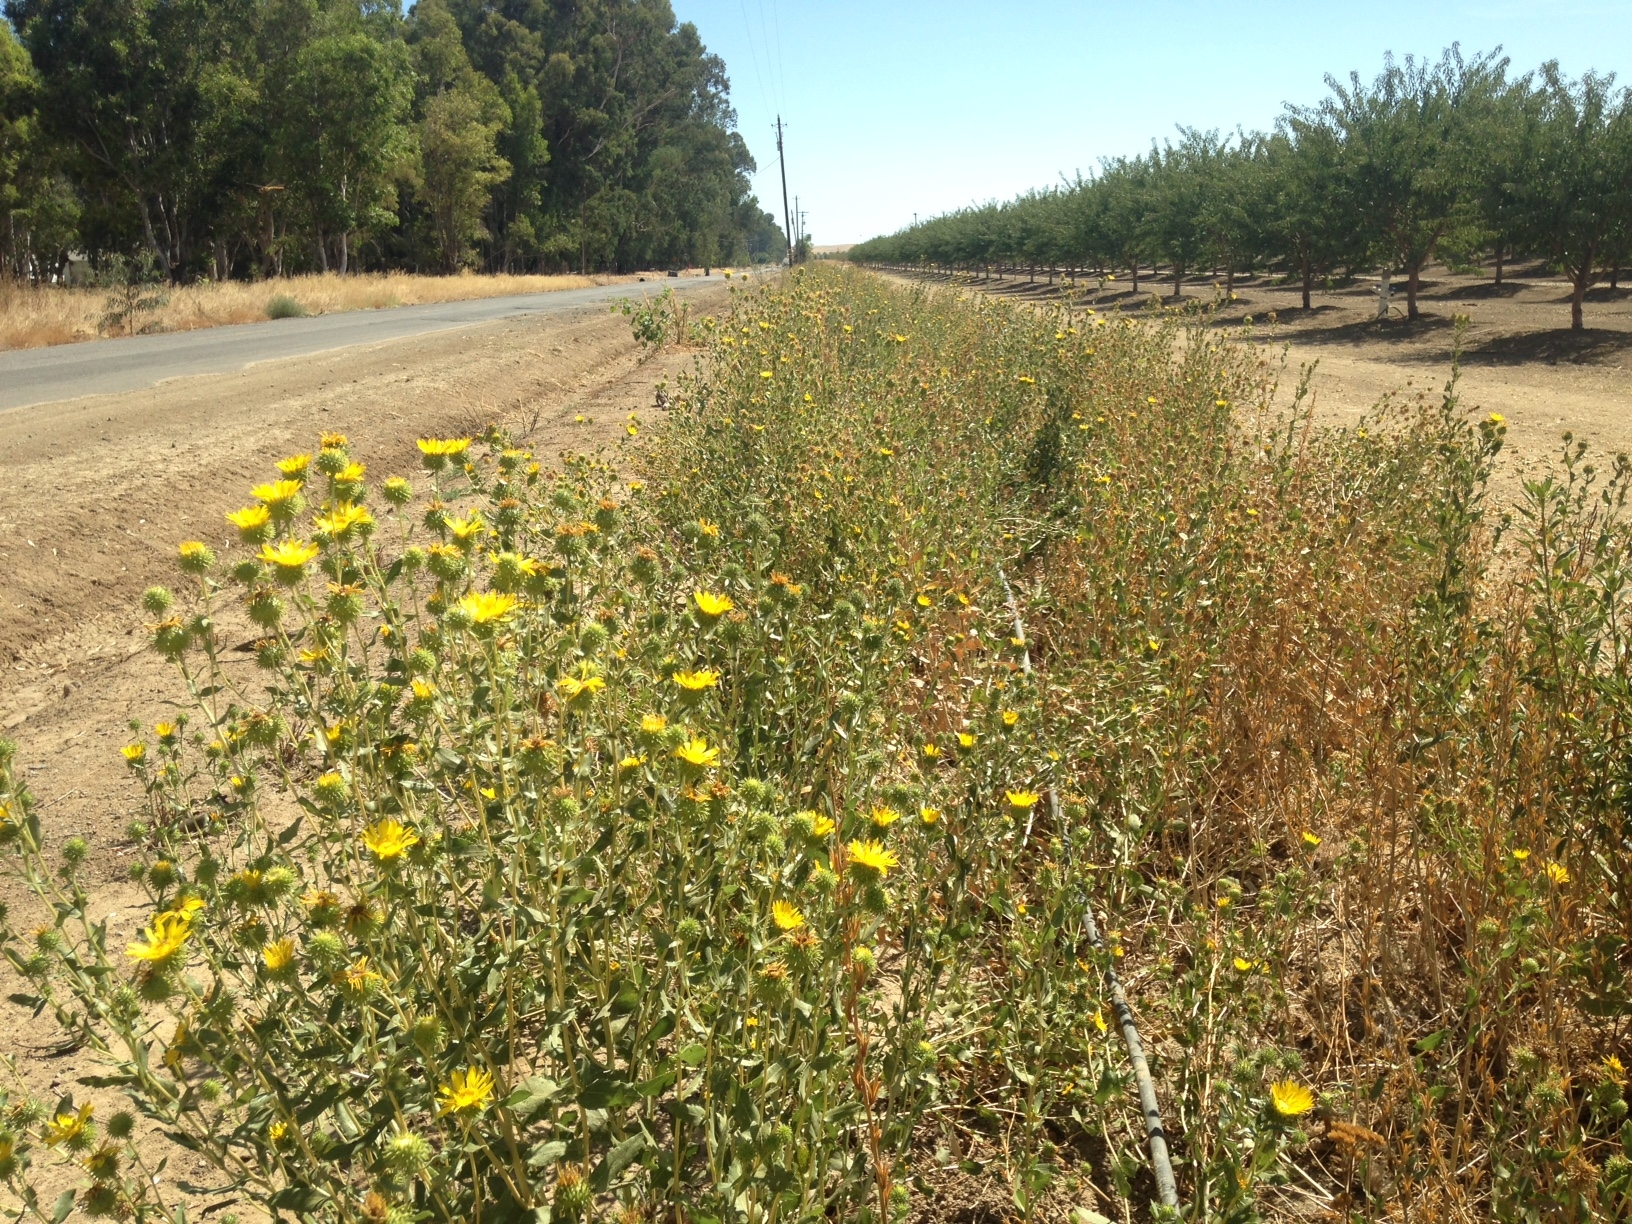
x=1519 y=356
x=96 y=493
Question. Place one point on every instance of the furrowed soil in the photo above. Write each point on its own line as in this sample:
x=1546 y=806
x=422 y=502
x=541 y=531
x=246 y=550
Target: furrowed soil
x=96 y=493
x=1519 y=356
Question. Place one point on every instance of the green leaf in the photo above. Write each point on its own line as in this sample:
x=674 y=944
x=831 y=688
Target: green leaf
x=65 y=1204
x=693 y=1055
x=546 y=1154
x=1432 y=1042
x=616 y=1161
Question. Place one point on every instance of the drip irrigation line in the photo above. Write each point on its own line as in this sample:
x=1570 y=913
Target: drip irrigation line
x=1166 y=1188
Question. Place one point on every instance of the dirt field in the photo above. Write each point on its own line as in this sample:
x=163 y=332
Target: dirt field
x=1520 y=358
x=96 y=493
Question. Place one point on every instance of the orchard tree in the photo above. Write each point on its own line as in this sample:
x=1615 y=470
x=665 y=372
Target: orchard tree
x=1575 y=197
x=1404 y=141
x=1177 y=196
x=1312 y=218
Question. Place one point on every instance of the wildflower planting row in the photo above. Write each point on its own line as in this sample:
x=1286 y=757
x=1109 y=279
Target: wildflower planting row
x=666 y=838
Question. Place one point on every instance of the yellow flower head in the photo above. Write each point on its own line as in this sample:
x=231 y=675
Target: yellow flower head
x=711 y=605
x=352 y=473
x=1310 y=839
x=250 y=521
x=294 y=467
x=278 y=956
x=487 y=607
x=698 y=754
x=1520 y=855
x=133 y=753
x=931 y=752
x=467 y=1091
x=340 y=520
x=1290 y=1099
x=575 y=687
x=446 y=448
x=786 y=915
x=930 y=815
x=278 y=495
x=163 y=938
x=388 y=839
x=884 y=817
x=631 y=762
x=696 y=681
x=290 y=556
x=711 y=530
x=872 y=858
x=822 y=826
x=1558 y=873
x=68 y=1128
x=468 y=529
x=966 y=741
x=331 y=440
x=653 y=724
x=1022 y=801
x=1242 y=965
x=1010 y=717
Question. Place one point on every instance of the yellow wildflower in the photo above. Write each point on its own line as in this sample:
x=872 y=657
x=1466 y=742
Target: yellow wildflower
x=162 y=939
x=884 y=817
x=1022 y=801
x=822 y=826
x=133 y=753
x=388 y=839
x=1520 y=855
x=291 y=556
x=1558 y=873
x=467 y=1091
x=278 y=956
x=871 y=856
x=653 y=724
x=966 y=741
x=1010 y=717
x=278 y=495
x=342 y=518
x=294 y=467
x=68 y=1128
x=1310 y=839
x=696 y=681
x=487 y=607
x=929 y=815
x=1290 y=1098
x=786 y=915
x=250 y=520
x=711 y=530
x=698 y=754
x=711 y=605
x=1242 y=966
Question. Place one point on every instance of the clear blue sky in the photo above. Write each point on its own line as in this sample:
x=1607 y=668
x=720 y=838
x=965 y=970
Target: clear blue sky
x=896 y=108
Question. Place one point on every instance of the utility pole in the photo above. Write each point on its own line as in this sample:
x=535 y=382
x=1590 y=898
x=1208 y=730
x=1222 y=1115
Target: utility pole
x=787 y=217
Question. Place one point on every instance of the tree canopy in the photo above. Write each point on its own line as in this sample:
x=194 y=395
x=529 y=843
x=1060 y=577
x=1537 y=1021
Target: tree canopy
x=254 y=137
x=1450 y=158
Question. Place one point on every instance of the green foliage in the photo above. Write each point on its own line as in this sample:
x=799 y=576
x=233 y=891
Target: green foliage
x=1382 y=174
x=260 y=137
x=679 y=845
x=282 y=306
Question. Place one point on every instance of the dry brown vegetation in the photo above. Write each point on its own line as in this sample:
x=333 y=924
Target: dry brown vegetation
x=34 y=316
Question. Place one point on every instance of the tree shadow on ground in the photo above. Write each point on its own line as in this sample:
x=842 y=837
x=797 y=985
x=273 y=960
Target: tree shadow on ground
x=1590 y=346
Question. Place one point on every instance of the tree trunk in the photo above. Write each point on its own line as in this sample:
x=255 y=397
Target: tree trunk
x=345 y=251
x=1308 y=281
x=1136 y=276
x=1229 y=279
x=1178 y=280
x=1499 y=254
x=323 y=250
x=1577 y=294
x=1411 y=311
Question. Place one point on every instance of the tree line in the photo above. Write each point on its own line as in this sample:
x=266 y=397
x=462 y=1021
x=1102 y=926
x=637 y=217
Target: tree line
x=1454 y=160
x=250 y=138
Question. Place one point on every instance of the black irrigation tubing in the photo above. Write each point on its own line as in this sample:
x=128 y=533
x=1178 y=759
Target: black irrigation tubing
x=1166 y=1188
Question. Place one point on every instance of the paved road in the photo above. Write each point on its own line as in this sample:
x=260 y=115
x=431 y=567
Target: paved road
x=102 y=367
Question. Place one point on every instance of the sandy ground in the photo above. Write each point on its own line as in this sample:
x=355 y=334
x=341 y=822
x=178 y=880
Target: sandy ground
x=96 y=493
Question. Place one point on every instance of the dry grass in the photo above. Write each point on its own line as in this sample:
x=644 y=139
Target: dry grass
x=31 y=317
